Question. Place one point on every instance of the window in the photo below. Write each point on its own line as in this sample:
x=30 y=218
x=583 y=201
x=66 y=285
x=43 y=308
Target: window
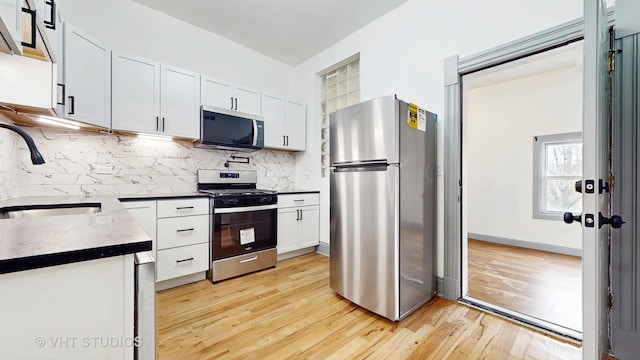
x=557 y=161
x=340 y=88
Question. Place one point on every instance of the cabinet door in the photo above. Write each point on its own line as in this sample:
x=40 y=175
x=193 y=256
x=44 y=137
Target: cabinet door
x=309 y=227
x=87 y=77
x=287 y=229
x=135 y=93
x=11 y=26
x=295 y=125
x=273 y=114
x=247 y=100
x=218 y=93
x=179 y=102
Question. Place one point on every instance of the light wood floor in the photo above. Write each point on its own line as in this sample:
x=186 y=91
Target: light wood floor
x=291 y=313
x=541 y=284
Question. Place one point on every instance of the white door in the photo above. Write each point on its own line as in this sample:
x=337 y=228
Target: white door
x=273 y=116
x=595 y=261
x=87 y=77
x=246 y=100
x=217 y=93
x=135 y=94
x=295 y=125
x=309 y=226
x=288 y=229
x=179 y=102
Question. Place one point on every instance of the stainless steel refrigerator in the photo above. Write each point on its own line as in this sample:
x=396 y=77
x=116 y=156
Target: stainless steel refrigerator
x=383 y=206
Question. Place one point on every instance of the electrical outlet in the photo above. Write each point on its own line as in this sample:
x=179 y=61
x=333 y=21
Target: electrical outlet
x=104 y=170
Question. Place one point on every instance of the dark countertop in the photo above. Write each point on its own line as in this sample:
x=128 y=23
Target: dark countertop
x=36 y=242
x=297 y=191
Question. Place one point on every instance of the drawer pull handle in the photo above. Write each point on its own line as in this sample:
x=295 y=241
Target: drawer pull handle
x=184 y=260
x=248 y=259
x=301 y=200
x=184 y=208
x=183 y=230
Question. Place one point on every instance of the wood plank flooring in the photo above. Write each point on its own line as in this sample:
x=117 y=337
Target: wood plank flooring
x=541 y=284
x=291 y=313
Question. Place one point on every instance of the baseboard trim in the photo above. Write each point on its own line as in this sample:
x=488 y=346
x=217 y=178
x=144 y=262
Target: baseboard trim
x=183 y=280
x=527 y=244
x=323 y=249
x=294 y=253
x=439 y=286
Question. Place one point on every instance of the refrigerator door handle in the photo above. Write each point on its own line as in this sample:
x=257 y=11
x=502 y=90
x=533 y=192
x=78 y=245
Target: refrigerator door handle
x=361 y=163
x=374 y=165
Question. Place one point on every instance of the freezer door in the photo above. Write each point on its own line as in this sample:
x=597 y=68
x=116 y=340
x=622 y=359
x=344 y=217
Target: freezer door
x=364 y=238
x=365 y=131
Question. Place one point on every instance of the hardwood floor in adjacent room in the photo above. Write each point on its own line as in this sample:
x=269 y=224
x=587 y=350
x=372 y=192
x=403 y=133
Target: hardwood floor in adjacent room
x=540 y=284
x=291 y=313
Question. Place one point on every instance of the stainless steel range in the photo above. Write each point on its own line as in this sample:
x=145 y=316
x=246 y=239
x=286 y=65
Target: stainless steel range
x=243 y=222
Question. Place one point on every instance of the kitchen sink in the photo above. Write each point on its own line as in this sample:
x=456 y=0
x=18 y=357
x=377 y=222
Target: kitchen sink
x=12 y=212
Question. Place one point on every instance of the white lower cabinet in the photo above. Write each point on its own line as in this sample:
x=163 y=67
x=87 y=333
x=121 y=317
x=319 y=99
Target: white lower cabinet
x=82 y=310
x=298 y=221
x=180 y=232
x=181 y=261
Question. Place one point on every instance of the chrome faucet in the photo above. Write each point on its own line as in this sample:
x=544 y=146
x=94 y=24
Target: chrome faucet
x=36 y=157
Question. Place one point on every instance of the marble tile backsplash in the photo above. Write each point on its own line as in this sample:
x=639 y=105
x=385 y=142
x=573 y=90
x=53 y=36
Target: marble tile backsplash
x=91 y=163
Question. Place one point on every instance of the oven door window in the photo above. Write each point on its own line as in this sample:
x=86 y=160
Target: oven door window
x=242 y=232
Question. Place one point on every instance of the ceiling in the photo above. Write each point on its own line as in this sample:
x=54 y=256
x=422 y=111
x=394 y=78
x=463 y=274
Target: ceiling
x=290 y=31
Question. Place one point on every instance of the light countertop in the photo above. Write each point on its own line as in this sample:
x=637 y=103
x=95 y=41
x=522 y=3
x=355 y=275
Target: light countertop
x=35 y=242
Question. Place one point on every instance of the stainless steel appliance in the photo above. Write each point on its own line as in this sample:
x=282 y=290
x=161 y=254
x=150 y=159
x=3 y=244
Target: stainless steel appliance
x=383 y=206
x=145 y=306
x=230 y=130
x=244 y=222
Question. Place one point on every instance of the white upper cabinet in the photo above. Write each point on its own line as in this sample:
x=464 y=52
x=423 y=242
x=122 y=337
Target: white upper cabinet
x=87 y=78
x=284 y=123
x=273 y=114
x=295 y=125
x=179 y=102
x=135 y=92
x=152 y=98
x=247 y=100
x=226 y=95
x=11 y=26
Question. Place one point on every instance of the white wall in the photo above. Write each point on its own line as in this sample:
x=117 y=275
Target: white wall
x=133 y=28
x=501 y=121
x=402 y=53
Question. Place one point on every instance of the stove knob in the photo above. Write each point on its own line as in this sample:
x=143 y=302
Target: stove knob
x=225 y=201
x=235 y=201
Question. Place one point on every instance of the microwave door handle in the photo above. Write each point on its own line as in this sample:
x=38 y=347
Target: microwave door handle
x=255 y=132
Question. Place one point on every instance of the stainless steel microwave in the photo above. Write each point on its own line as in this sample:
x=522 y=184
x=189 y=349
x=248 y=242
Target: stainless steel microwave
x=225 y=129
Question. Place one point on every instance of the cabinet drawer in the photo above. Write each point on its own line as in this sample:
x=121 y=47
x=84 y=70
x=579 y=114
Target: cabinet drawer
x=181 y=231
x=183 y=207
x=298 y=200
x=182 y=261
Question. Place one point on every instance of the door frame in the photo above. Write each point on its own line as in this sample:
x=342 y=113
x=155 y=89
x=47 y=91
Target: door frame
x=454 y=68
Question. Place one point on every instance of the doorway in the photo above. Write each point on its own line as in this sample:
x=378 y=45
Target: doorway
x=522 y=153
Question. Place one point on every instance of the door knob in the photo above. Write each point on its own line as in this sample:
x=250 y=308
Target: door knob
x=569 y=218
x=615 y=221
x=578 y=186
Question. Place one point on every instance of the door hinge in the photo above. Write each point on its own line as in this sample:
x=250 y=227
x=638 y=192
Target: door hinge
x=610 y=300
x=611 y=59
x=611 y=182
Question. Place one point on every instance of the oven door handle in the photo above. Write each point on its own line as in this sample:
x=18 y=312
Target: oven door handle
x=244 y=209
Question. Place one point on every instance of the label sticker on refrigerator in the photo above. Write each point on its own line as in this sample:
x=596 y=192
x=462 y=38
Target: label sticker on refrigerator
x=417 y=118
x=247 y=236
